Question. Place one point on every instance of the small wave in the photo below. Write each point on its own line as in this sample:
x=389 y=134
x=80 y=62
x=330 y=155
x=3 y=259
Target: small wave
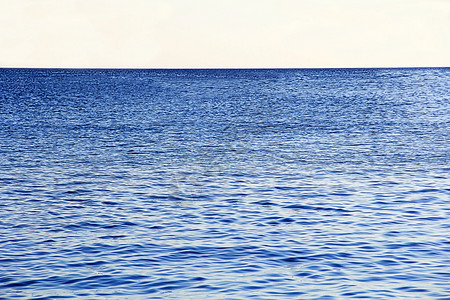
x=316 y=208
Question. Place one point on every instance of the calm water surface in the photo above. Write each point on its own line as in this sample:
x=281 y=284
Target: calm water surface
x=225 y=184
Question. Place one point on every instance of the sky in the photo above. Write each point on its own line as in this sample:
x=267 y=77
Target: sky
x=224 y=33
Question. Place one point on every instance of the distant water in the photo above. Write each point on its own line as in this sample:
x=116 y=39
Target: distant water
x=225 y=184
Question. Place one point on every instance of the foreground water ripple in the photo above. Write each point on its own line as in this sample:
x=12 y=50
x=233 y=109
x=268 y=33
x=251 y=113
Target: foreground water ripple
x=224 y=184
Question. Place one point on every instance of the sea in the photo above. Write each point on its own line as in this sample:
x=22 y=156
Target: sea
x=225 y=183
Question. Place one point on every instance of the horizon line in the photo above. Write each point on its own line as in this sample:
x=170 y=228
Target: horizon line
x=221 y=68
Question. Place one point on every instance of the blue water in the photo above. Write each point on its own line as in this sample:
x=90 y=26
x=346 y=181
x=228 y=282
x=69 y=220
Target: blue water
x=225 y=184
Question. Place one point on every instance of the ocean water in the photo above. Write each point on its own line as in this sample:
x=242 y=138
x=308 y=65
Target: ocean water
x=225 y=184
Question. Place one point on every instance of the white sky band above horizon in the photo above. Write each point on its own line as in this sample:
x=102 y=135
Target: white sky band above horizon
x=224 y=33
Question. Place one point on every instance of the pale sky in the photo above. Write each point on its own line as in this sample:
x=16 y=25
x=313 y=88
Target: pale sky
x=224 y=33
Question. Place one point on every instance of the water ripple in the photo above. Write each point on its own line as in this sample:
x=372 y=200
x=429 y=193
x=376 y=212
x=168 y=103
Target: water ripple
x=236 y=184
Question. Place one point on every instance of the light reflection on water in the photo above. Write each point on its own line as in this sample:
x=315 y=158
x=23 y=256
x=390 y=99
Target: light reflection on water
x=237 y=184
